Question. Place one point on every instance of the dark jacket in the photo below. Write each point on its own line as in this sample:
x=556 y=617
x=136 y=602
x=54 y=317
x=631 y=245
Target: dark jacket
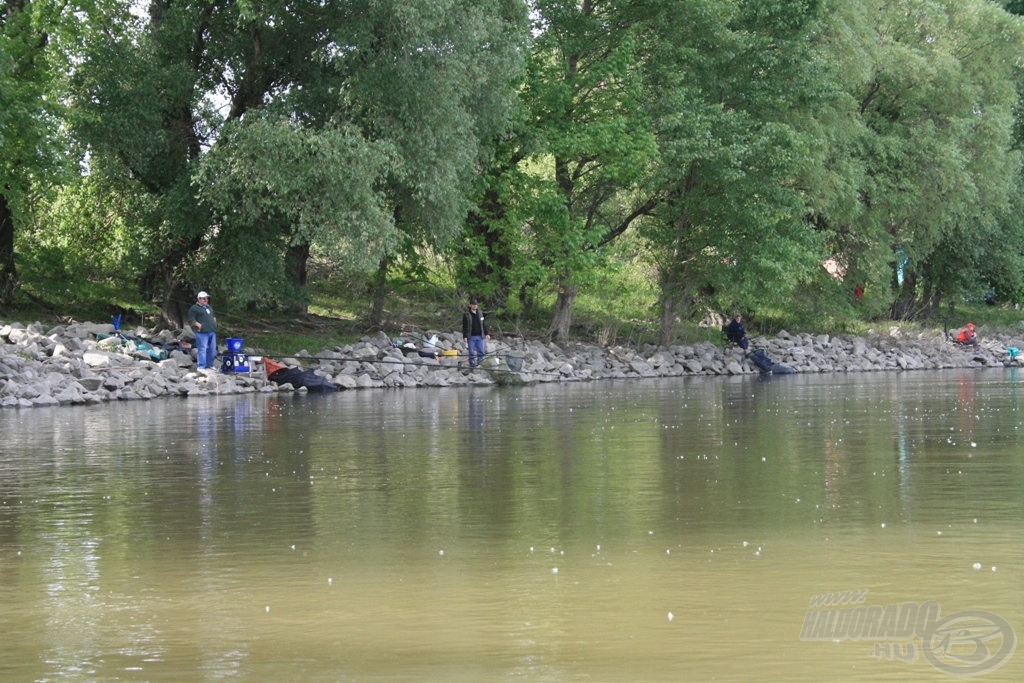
x=203 y=313
x=734 y=331
x=473 y=324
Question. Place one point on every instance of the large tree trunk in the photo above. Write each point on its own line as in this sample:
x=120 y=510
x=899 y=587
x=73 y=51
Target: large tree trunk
x=172 y=170
x=678 y=301
x=297 y=271
x=561 y=320
x=8 y=271
x=162 y=282
x=672 y=277
x=670 y=283
x=379 y=293
x=672 y=306
x=174 y=310
x=907 y=306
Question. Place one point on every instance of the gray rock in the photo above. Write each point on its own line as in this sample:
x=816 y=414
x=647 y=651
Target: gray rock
x=97 y=359
x=639 y=367
x=91 y=383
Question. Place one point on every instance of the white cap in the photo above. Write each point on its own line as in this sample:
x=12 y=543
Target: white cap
x=202 y=295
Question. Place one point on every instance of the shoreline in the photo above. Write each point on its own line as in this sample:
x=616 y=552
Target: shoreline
x=86 y=363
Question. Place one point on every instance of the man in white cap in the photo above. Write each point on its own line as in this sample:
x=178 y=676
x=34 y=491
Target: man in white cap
x=202 y=320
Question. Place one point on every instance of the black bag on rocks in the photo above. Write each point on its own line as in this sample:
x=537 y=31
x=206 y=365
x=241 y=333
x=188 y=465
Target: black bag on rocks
x=767 y=366
x=302 y=378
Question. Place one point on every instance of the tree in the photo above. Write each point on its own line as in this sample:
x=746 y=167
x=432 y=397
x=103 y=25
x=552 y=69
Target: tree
x=153 y=95
x=451 y=70
x=27 y=108
x=595 y=142
x=925 y=153
x=731 y=88
x=968 y=259
x=260 y=132
x=276 y=185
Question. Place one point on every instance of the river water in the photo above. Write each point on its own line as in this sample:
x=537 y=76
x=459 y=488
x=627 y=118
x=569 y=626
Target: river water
x=859 y=527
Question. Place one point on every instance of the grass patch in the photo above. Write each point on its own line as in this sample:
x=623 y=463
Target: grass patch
x=284 y=335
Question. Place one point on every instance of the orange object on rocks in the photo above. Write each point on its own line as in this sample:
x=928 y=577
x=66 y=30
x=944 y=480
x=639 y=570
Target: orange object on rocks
x=272 y=366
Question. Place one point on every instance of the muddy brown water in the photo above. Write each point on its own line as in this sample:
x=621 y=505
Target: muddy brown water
x=809 y=528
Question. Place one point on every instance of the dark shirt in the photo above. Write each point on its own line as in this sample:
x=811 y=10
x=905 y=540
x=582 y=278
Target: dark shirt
x=203 y=314
x=734 y=331
x=473 y=324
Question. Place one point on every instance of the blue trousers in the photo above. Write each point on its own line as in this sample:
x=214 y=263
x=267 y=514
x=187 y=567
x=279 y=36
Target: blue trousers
x=477 y=349
x=206 y=349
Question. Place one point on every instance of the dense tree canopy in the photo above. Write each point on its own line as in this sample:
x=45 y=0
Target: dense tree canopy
x=930 y=159
x=747 y=152
x=733 y=99
x=28 y=119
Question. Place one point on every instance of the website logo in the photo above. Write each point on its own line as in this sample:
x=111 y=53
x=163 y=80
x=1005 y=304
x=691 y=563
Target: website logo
x=964 y=643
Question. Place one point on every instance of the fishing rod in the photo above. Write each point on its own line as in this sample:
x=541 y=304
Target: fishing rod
x=435 y=366
x=418 y=336
x=395 y=361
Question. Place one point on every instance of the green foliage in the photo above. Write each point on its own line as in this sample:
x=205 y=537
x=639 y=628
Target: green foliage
x=585 y=144
x=28 y=98
x=928 y=155
x=730 y=229
x=263 y=132
x=84 y=231
x=618 y=305
x=449 y=69
x=641 y=161
x=31 y=140
x=272 y=184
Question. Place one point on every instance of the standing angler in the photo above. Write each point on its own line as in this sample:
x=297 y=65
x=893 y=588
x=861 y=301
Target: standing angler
x=474 y=331
x=202 y=320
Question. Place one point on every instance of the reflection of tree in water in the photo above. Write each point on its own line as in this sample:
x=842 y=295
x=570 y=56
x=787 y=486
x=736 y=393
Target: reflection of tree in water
x=206 y=435
x=968 y=412
x=762 y=443
x=145 y=503
x=252 y=465
x=477 y=417
x=1012 y=377
x=703 y=435
x=903 y=460
x=834 y=473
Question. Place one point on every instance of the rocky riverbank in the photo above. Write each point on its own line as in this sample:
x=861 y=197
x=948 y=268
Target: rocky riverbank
x=86 y=363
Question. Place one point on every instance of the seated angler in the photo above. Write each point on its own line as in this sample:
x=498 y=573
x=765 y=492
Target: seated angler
x=967 y=336
x=735 y=332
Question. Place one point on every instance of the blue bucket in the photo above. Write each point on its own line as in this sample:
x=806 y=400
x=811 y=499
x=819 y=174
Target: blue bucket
x=234 y=345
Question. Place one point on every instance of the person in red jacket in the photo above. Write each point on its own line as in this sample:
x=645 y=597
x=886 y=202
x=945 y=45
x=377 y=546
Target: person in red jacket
x=967 y=336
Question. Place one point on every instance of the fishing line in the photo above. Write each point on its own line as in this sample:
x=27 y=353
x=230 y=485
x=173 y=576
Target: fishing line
x=435 y=366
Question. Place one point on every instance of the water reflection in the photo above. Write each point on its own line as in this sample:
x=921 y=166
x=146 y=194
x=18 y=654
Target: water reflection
x=656 y=530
